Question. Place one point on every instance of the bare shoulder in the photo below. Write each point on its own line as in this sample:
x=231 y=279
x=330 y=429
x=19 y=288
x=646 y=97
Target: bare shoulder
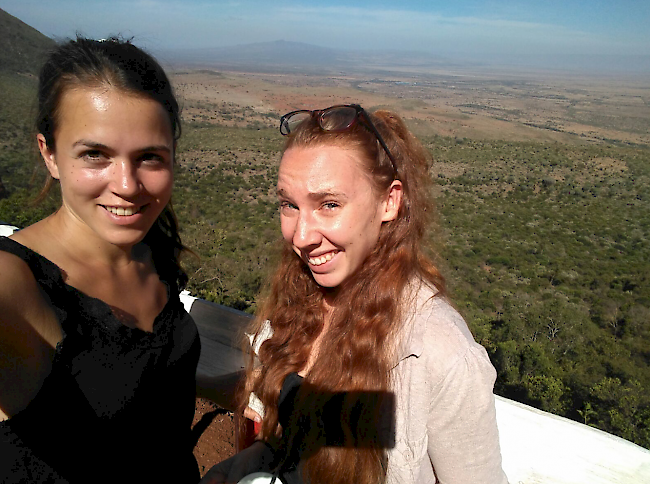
x=21 y=298
x=15 y=274
x=16 y=279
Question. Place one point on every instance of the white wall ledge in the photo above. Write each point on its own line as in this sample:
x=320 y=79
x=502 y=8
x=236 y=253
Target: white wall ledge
x=541 y=448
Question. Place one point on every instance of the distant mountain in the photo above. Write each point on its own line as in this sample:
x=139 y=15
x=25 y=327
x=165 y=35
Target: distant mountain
x=23 y=47
x=279 y=53
x=284 y=56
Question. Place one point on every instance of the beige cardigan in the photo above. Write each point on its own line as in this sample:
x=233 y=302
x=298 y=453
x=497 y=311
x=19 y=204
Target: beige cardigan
x=446 y=428
x=445 y=420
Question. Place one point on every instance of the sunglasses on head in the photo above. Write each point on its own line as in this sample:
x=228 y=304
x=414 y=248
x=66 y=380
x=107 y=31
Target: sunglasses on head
x=334 y=119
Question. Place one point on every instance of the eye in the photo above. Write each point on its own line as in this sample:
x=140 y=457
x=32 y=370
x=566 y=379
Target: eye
x=330 y=205
x=93 y=156
x=153 y=159
x=286 y=206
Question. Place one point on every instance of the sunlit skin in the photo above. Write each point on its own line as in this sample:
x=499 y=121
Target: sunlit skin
x=114 y=158
x=329 y=212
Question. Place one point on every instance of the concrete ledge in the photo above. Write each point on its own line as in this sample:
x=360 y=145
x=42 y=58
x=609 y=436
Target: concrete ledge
x=541 y=448
x=220 y=329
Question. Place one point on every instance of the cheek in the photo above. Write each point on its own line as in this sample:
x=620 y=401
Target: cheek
x=287 y=226
x=368 y=236
x=82 y=182
x=160 y=184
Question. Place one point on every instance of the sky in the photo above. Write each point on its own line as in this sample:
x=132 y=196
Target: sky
x=509 y=29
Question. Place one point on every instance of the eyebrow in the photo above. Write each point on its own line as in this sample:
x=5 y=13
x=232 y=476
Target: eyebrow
x=327 y=194
x=90 y=144
x=101 y=146
x=318 y=195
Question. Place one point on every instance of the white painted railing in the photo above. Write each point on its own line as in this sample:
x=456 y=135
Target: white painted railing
x=541 y=448
x=7 y=230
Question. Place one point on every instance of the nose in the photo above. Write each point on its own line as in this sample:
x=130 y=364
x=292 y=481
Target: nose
x=306 y=233
x=125 y=180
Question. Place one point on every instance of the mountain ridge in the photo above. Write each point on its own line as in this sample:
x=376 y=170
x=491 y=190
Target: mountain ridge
x=23 y=47
x=288 y=56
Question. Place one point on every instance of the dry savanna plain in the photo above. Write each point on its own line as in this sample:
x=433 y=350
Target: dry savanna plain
x=532 y=106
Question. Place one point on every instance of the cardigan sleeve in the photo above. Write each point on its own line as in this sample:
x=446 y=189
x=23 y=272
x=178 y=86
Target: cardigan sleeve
x=445 y=419
x=256 y=341
x=463 y=440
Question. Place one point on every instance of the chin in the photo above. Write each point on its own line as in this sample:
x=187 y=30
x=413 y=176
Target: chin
x=326 y=280
x=126 y=239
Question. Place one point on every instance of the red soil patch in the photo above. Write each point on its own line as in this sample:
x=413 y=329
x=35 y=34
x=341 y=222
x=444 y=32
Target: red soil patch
x=215 y=428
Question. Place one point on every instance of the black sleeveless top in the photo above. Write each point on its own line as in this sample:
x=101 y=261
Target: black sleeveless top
x=118 y=403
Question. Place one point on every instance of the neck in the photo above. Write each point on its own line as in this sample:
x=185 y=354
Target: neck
x=84 y=245
x=332 y=295
x=329 y=301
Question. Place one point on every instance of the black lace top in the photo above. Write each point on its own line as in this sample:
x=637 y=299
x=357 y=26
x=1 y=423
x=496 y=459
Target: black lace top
x=118 y=403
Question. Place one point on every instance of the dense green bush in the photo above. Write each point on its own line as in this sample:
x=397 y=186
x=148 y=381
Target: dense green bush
x=552 y=276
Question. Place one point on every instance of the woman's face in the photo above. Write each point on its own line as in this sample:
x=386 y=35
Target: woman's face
x=329 y=212
x=114 y=158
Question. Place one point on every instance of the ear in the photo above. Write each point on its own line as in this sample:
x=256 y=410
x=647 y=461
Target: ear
x=393 y=202
x=48 y=156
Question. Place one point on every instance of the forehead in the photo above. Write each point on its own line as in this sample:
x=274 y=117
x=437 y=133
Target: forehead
x=103 y=111
x=85 y=100
x=322 y=169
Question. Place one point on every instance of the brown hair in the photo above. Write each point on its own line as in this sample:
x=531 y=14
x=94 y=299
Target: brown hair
x=367 y=315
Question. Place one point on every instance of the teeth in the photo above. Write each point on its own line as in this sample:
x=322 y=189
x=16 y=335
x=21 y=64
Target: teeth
x=317 y=261
x=121 y=211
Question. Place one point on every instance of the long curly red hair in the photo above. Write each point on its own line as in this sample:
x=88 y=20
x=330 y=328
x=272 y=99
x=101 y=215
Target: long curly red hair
x=367 y=314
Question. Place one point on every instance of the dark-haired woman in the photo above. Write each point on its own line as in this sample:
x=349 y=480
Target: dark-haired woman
x=97 y=354
x=365 y=371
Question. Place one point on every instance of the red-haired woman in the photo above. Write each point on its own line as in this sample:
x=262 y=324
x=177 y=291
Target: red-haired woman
x=365 y=373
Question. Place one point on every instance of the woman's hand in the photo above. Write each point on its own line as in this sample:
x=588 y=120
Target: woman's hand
x=251 y=414
x=258 y=457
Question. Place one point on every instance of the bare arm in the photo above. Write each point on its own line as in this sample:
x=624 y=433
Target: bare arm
x=29 y=333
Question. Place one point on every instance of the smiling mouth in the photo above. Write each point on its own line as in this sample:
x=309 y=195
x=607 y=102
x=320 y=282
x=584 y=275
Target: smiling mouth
x=121 y=211
x=320 y=260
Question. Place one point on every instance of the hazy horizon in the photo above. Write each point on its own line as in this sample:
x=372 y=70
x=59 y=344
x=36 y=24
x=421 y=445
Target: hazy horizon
x=571 y=34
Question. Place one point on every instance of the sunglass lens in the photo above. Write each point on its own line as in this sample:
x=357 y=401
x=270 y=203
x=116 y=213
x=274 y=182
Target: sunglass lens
x=338 y=118
x=291 y=122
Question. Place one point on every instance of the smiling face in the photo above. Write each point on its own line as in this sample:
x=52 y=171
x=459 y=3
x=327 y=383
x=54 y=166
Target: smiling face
x=329 y=212
x=114 y=158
